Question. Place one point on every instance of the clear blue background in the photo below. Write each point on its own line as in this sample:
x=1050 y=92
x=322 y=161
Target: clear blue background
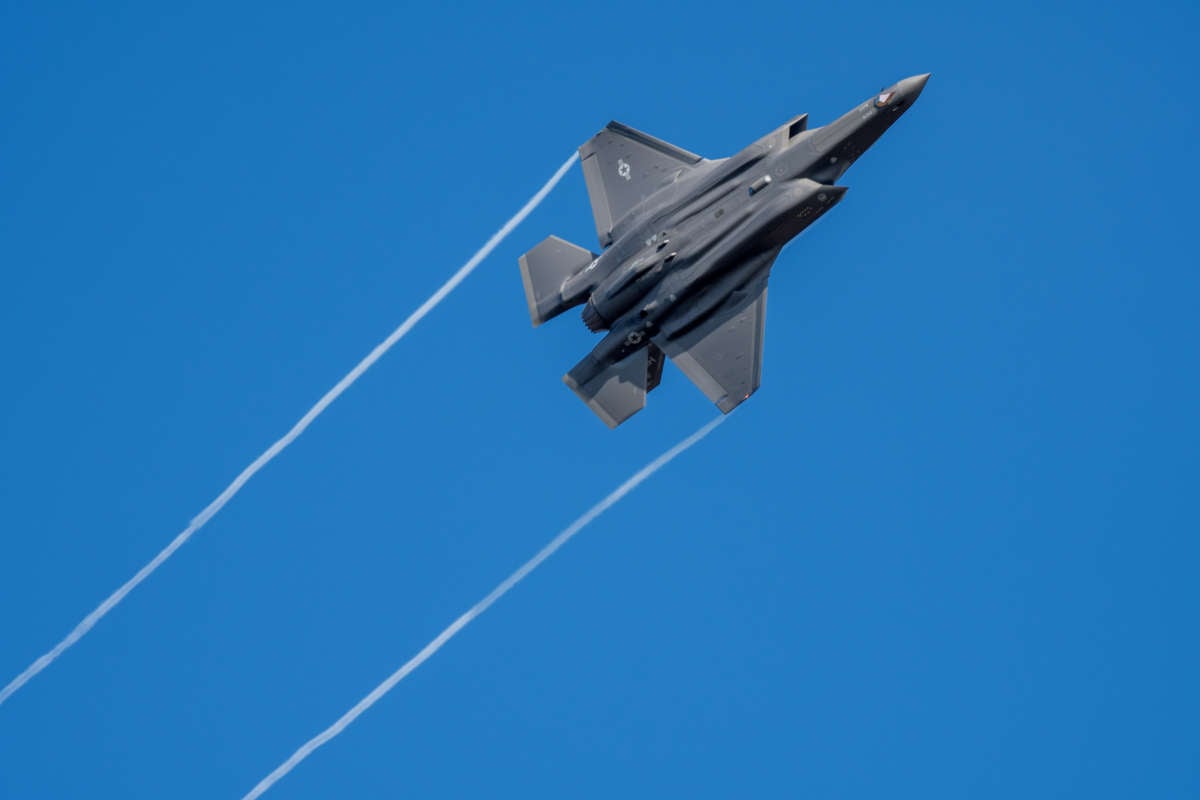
x=948 y=550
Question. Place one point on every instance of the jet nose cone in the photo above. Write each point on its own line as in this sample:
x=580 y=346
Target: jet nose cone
x=912 y=86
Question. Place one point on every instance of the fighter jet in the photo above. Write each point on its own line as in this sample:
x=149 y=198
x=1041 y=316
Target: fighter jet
x=688 y=247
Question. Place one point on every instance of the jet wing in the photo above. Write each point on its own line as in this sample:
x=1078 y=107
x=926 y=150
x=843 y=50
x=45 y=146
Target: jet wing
x=723 y=354
x=622 y=168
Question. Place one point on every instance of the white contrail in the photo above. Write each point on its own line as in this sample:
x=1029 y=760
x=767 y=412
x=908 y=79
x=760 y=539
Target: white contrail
x=249 y=472
x=475 y=610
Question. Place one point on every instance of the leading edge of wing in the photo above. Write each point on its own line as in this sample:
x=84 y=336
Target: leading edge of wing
x=622 y=167
x=723 y=354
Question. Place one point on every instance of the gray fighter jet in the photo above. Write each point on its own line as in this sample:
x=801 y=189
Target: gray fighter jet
x=689 y=247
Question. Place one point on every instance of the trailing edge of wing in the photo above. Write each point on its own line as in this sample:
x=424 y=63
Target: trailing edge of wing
x=622 y=167
x=723 y=354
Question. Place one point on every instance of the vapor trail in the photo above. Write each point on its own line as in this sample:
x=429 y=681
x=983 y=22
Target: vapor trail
x=477 y=609
x=249 y=472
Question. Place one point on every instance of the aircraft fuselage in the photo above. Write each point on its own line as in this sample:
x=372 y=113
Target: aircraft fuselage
x=697 y=238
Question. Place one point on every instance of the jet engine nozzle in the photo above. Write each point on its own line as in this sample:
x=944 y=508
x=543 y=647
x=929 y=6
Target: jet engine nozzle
x=592 y=318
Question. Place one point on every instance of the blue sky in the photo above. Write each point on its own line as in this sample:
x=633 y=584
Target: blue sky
x=948 y=549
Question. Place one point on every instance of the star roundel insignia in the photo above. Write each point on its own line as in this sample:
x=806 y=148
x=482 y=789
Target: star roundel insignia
x=623 y=169
x=884 y=98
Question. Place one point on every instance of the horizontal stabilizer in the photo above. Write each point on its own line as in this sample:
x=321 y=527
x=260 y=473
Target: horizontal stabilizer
x=544 y=269
x=617 y=391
